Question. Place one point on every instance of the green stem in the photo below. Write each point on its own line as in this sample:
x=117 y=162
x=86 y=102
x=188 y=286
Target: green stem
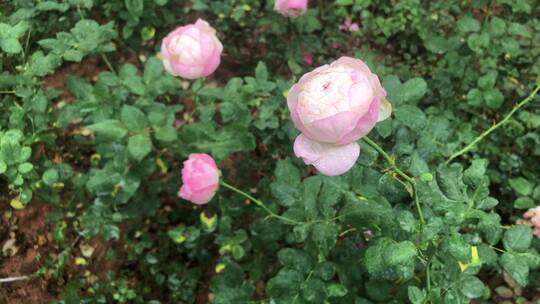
x=496 y=126
x=259 y=203
x=392 y=162
x=417 y=203
x=108 y=63
x=428 y=275
x=26 y=44
x=7 y=92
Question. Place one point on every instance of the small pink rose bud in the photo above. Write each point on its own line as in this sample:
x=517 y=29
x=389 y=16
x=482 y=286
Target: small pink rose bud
x=178 y=123
x=291 y=8
x=334 y=106
x=308 y=58
x=348 y=25
x=192 y=51
x=200 y=179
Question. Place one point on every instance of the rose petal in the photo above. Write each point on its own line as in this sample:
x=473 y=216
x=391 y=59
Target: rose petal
x=364 y=125
x=329 y=159
x=333 y=128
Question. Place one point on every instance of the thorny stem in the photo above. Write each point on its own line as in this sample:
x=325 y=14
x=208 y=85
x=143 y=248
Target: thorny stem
x=495 y=126
x=259 y=203
x=393 y=166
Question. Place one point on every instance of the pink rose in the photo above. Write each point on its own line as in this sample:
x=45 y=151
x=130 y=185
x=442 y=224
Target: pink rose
x=334 y=106
x=192 y=51
x=291 y=8
x=200 y=179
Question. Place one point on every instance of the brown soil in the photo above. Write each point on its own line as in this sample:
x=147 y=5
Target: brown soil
x=33 y=243
x=88 y=69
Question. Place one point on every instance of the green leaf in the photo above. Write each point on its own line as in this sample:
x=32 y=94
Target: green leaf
x=450 y=182
x=177 y=235
x=488 y=80
x=497 y=26
x=148 y=32
x=9 y=37
x=468 y=24
x=139 y=146
x=516 y=266
x=324 y=235
x=519 y=29
x=344 y=2
x=416 y=295
x=284 y=285
x=518 y=238
x=135 y=7
x=411 y=116
x=522 y=186
x=491 y=228
x=25 y=168
x=109 y=128
x=413 y=90
x=221 y=142
x=373 y=259
x=133 y=118
x=336 y=290
x=153 y=70
x=471 y=287
x=494 y=98
x=400 y=253
x=296 y=259
x=487 y=203
x=478 y=42
x=475 y=97
x=523 y=202
x=10 y=45
x=50 y=176
x=536 y=193
x=18 y=30
x=261 y=72
x=313 y=290
x=286 y=172
x=287 y=195
x=437 y=44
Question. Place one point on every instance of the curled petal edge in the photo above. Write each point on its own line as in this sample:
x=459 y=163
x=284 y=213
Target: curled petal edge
x=385 y=109
x=328 y=159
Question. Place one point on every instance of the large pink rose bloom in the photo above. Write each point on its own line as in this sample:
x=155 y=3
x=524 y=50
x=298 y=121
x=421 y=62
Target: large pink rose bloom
x=291 y=8
x=334 y=106
x=191 y=51
x=200 y=179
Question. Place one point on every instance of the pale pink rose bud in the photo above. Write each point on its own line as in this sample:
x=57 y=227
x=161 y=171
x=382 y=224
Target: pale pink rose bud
x=334 y=106
x=191 y=51
x=291 y=8
x=200 y=179
x=531 y=218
